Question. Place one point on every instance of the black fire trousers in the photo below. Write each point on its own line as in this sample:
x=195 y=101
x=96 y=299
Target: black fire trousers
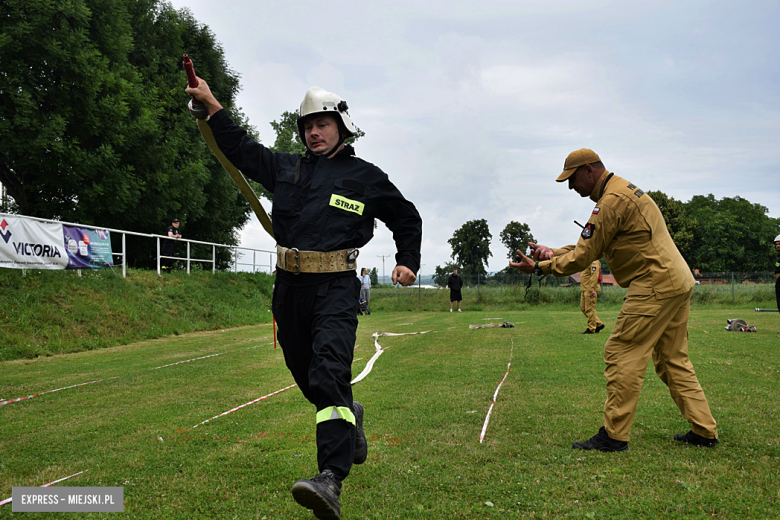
x=317 y=332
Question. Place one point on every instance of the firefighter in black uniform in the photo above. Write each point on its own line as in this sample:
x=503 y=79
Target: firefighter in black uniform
x=324 y=207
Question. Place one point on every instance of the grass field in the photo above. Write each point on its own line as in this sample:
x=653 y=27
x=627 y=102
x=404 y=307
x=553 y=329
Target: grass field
x=426 y=402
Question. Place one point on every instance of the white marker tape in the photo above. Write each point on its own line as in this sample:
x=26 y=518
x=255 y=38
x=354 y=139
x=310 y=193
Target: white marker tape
x=495 y=395
x=7 y=500
x=188 y=360
x=256 y=400
x=246 y=404
x=50 y=391
x=370 y=365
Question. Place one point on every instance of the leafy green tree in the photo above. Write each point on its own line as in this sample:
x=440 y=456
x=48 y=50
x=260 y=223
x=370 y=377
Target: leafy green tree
x=516 y=236
x=374 y=277
x=441 y=274
x=682 y=228
x=93 y=120
x=471 y=247
x=288 y=140
x=734 y=234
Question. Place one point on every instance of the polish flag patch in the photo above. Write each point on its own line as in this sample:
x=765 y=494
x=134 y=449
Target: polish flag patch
x=596 y=211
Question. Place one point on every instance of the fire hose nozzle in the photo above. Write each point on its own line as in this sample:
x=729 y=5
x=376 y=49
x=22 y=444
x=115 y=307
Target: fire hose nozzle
x=197 y=108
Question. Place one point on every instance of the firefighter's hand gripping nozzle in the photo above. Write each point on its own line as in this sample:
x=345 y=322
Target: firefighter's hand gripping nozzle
x=197 y=108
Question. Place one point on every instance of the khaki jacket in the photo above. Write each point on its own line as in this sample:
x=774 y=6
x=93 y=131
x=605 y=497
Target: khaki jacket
x=627 y=228
x=589 y=280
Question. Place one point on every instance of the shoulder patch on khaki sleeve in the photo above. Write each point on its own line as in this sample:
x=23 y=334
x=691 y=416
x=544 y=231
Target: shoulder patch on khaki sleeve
x=588 y=230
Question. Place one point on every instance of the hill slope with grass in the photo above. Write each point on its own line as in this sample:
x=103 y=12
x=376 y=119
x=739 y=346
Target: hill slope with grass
x=52 y=312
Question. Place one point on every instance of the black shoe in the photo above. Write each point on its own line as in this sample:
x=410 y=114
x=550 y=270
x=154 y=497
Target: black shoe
x=361 y=444
x=695 y=439
x=599 y=328
x=601 y=442
x=587 y=331
x=320 y=494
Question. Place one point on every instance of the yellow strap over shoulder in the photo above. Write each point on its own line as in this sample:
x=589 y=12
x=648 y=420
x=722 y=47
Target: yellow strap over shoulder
x=238 y=178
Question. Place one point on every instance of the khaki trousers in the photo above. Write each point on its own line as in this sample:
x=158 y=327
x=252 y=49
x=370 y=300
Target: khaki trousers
x=648 y=327
x=588 y=308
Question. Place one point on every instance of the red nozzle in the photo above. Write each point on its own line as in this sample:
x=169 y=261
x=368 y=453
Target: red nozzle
x=192 y=80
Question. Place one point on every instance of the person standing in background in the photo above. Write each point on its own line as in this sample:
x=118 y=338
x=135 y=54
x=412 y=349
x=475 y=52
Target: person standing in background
x=455 y=282
x=365 y=288
x=169 y=247
x=590 y=288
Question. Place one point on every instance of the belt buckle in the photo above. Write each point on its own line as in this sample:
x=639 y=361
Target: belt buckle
x=297 y=260
x=352 y=255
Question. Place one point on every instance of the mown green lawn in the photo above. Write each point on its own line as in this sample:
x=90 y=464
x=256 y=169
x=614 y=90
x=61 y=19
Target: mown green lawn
x=426 y=402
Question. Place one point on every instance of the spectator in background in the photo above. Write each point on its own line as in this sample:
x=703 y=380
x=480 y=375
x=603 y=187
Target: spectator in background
x=455 y=283
x=777 y=273
x=169 y=246
x=365 y=288
x=590 y=289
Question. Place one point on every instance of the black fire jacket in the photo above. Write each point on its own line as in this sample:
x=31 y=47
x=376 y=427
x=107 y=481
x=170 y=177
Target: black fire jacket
x=329 y=204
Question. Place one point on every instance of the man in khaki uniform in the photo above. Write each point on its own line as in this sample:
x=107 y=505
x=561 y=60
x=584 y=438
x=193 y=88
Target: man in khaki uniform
x=627 y=228
x=590 y=289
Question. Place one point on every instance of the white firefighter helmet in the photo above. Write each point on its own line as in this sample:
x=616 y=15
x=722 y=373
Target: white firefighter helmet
x=777 y=238
x=318 y=100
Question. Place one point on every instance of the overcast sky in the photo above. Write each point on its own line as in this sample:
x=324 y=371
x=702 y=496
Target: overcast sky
x=471 y=107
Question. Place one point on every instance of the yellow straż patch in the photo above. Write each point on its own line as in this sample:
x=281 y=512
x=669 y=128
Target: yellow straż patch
x=346 y=204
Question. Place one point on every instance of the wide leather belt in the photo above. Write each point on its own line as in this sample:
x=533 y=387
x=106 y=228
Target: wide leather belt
x=296 y=262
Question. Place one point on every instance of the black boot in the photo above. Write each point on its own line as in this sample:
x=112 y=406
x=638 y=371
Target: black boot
x=601 y=442
x=695 y=439
x=320 y=494
x=361 y=443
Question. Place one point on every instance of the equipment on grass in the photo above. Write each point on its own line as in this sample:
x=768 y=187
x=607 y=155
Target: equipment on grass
x=199 y=111
x=505 y=325
x=766 y=310
x=737 y=325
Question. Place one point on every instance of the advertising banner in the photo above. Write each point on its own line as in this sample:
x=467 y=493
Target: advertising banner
x=28 y=244
x=87 y=248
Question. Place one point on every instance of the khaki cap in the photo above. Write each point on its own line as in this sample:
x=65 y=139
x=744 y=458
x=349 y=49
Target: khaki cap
x=576 y=159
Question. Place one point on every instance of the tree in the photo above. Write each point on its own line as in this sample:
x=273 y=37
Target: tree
x=374 y=277
x=681 y=227
x=471 y=247
x=93 y=124
x=734 y=234
x=516 y=236
x=442 y=274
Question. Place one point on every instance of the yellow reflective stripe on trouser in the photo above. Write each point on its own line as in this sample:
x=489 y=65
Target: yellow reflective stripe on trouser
x=336 y=412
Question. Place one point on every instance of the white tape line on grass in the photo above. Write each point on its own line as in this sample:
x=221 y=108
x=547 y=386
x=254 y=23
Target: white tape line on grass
x=50 y=391
x=253 y=402
x=246 y=404
x=495 y=395
x=188 y=360
x=7 y=500
x=370 y=365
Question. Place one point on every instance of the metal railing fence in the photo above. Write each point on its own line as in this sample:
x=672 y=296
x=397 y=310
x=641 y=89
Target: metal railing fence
x=237 y=250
